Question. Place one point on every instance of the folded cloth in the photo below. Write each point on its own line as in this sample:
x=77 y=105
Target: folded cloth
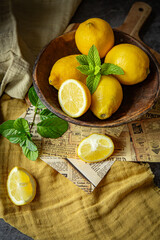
x=25 y=28
x=125 y=205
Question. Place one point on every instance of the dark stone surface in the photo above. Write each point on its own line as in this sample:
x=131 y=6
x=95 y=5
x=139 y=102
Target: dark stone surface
x=113 y=11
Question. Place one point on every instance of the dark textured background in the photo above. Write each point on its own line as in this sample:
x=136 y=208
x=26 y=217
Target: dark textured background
x=113 y=11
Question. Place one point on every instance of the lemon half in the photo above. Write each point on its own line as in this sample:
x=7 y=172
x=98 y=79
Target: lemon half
x=74 y=98
x=95 y=148
x=21 y=186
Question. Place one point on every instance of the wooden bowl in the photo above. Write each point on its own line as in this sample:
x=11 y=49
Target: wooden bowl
x=138 y=99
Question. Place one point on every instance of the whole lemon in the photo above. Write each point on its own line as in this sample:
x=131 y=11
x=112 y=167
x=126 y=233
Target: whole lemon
x=65 y=68
x=94 y=31
x=107 y=98
x=132 y=59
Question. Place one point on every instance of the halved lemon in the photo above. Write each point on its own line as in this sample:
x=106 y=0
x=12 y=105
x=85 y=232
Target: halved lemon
x=74 y=98
x=21 y=186
x=95 y=148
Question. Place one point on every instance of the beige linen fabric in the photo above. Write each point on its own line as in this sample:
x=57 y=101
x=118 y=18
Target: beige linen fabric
x=25 y=28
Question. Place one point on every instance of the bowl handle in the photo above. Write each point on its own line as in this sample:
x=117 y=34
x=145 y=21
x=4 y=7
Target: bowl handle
x=135 y=19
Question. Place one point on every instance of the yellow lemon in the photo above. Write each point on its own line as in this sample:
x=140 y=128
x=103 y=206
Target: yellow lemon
x=21 y=186
x=65 y=68
x=95 y=148
x=94 y=31
x=133 y=60
x=74 y=97
x=107 y=98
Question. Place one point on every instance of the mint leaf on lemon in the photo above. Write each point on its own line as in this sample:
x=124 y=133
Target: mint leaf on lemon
x=92 y=82
x=109 y=68
x=85 y=69
x=93 y=57
x=82 y=59
x=97 y=70
x=91 y=66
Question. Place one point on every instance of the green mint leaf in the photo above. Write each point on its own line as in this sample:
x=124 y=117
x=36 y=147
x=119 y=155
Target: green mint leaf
x=92 y=82
x=30 y=145
x=85 y=69
x=109 y=68
x=6 y=125
x=93 y=57
x=15 y=137
x=52 y=127
x=97 y=70
x=45 y=114
x=34 y=99
x=22 y=143
x=31 y=155
x=89 y=82
x=8 y=131
x=82 y=59
x=21 y=125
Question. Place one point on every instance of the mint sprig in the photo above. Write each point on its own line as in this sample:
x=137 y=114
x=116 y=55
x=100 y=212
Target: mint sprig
x=110 y=68
x=82 y=59
x=34 y=99
x=85 y=69
x=45 y=114
x=31 y=155
x=19 y=131
x=52 y=127
x=92 y=82
x=91 y=65
x=93 y=57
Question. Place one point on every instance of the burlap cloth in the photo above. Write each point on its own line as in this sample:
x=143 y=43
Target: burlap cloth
x=125 y=205
x=25 y=28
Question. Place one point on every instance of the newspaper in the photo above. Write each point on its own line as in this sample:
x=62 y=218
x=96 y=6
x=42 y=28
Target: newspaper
x=66 y=145
x=145 y=135
x=61 y=153
x=124 y=150
x=146 y=139
x=136 y=141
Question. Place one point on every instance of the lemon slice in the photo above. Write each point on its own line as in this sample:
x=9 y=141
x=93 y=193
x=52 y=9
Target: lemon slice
x=74 y=97
x=21 y=186
x=95 y=148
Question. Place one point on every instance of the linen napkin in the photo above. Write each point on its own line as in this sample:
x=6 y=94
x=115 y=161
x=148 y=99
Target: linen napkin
x=25 y=28
x=125 y=205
